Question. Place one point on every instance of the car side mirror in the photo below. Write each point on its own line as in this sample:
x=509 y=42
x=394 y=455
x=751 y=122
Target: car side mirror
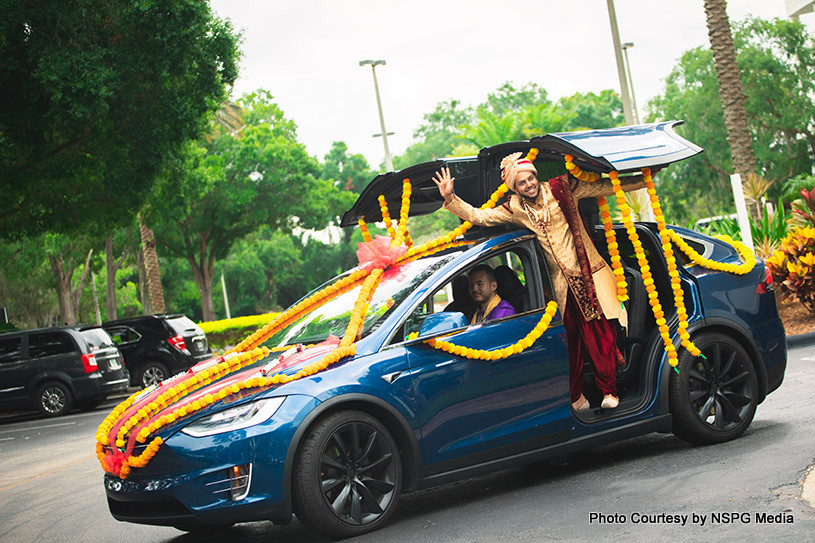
x=444 y=321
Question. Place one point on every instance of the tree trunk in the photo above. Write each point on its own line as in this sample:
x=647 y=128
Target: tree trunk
x=67 y=295
x=144 y=295
x=112 y=265
x=730 y=91
x=151 y=269
x=203 y=278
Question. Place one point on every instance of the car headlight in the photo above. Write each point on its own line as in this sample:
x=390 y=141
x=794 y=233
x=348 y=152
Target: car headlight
x=235 y=418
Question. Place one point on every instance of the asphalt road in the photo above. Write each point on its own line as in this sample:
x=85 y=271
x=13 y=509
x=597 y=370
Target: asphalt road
x=643 y=489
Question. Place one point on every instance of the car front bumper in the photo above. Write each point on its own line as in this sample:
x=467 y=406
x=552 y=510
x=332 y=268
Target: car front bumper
x=186 y=483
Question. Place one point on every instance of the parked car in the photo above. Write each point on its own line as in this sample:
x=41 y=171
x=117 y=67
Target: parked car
x=54 y=369
x=339 y=446
x=155 y=347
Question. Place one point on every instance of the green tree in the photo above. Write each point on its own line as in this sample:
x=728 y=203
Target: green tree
x=349 y=172
x=27 y=284
x=226 y=187
x=777 y=63
x=592 y=111
x=94 y=96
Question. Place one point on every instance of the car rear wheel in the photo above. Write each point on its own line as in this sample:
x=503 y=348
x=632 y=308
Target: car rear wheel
x=713 y=400
x=152 y=373
x=54 y=399
x=347 y=475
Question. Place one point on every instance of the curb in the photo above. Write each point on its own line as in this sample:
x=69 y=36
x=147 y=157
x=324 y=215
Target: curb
x=808 y=488
x=801 y=339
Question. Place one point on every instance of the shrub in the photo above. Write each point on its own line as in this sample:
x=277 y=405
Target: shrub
x=227 y=332
x=792 y=266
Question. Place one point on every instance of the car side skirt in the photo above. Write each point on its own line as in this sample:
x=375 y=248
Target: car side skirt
x=660 y=423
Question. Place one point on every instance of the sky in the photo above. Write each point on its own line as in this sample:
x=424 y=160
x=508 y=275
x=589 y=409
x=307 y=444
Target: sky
x=307 y=55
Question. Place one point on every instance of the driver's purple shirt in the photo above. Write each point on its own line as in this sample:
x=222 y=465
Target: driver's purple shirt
x=503 y=309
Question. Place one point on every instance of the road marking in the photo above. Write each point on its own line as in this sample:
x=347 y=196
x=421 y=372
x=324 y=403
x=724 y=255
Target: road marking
x=50 y=471
x=7 y=438
x=26 y=429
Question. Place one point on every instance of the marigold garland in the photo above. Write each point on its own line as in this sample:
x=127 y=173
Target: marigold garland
x=738 y=269
x=401 y=228
x=386 y=216
x=138 y=426
x=589 y=177
x=366 y=234
x=498 y=354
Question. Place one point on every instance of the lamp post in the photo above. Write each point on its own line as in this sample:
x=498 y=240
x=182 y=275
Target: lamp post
x=618 y=55
x=638 y=199
x=384 y=133
x=635 y=114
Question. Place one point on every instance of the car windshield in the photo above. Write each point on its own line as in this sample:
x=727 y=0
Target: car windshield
x=332 y=318
x=96 y=338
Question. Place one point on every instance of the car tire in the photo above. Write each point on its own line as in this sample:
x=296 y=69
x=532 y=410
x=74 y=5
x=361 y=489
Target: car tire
x=347 y=475
x=54 y=399
x=714 y=399
x=152 y=373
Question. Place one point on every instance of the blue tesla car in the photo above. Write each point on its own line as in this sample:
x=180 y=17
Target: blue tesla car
x=337 y=447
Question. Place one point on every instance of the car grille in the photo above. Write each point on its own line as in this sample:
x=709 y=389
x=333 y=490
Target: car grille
x=157 y=508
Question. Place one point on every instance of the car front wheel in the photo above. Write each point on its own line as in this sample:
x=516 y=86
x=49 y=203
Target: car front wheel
x=54 y=399
x=347 y=475
x=713 y=399
x=152 y=373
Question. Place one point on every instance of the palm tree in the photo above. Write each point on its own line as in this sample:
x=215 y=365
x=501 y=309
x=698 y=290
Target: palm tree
x=733 y=98
x=156 y=294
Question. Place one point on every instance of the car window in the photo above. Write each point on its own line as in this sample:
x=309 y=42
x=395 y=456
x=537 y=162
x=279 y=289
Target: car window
x=332 y=318
x=511 y=269
x=96 y=338
x=42 y=344
x=123 y=334
x=182 y=324
x=11 y=350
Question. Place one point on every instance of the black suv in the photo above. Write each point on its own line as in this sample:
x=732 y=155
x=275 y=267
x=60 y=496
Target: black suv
x=155 y=347
x=53 y=369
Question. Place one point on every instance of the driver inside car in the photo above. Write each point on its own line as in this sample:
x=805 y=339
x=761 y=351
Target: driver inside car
x=484 y=292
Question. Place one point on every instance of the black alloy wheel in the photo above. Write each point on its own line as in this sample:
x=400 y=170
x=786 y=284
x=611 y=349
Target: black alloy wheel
x=713 y=399
x=54 y=399
x=347 y=475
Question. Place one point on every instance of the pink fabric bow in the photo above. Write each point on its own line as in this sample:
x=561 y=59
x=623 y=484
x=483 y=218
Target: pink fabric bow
x=378 y=253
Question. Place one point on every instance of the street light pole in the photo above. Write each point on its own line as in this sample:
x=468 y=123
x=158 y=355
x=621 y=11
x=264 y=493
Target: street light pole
x=618 y=55
x=384 y=134
x=638 y=199
x=626 y=46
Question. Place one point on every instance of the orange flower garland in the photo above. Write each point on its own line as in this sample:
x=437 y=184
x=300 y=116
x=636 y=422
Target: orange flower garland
x=386 y=216
x=518 y=347
x=401 y=228
x=611 y=237
x=589 y=177
x=366 y=234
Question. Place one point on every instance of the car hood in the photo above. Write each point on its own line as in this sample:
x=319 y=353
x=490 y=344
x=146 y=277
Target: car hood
x=178 y=410
x=624 y=149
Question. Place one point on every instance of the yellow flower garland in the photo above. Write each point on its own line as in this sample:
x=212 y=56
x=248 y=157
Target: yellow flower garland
x=738 y=269
x=401 y=228
x=498 y=354
x=386 y=217
x=366 y=234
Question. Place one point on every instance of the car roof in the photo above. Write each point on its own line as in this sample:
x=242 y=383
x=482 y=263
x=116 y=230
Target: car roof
x=624 y=149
